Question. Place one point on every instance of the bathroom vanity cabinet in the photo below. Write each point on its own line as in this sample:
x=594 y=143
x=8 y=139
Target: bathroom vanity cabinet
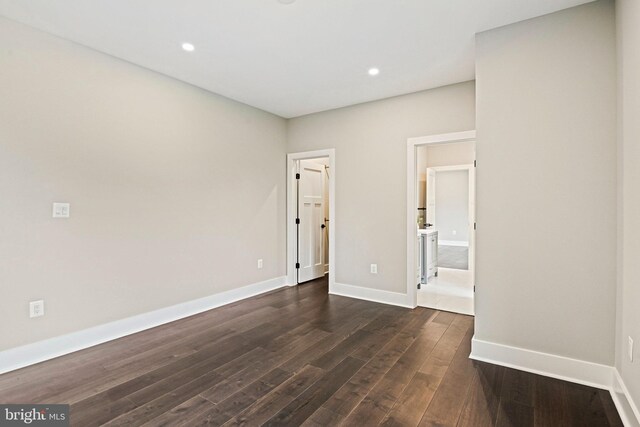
x=428 y=254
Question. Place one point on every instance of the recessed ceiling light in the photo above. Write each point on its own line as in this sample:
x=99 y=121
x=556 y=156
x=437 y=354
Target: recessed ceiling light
x=188 y=47
x=374 y=71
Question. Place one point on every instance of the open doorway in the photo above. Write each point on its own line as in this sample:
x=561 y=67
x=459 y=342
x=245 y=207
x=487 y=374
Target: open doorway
x=441 y=232
x=310 y=210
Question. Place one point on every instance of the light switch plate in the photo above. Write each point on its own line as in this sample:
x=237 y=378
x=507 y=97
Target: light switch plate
x=260 y=263
x=61 y=210
x=36 y=308
x=374 y=268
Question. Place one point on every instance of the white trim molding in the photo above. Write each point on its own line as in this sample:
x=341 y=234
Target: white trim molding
x=625 y=405
x=374 y=295
x=549 y=365
x=467 y=135
x=563 y=368
x=19 y=357
x=453 y=243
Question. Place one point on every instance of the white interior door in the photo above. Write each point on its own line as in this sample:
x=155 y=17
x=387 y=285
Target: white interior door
x=310 y=230
x=431 y=196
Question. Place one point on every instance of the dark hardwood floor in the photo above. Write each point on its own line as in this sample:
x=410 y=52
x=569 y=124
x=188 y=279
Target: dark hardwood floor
x=301 y=357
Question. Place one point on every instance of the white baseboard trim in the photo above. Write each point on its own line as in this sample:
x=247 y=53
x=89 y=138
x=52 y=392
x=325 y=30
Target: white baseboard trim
x=453 y=243
x=549 y=365
x=563 y=368
x=368 y=294
x=625 y=405
x=19 y=357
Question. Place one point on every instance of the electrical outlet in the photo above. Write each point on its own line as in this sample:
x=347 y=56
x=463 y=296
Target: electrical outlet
x=630 y=349
x=454 y=232
x=61 y=210
x=36 y=308
x=259 y=263
x=374 y=268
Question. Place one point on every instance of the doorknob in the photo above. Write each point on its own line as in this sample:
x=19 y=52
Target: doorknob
x=322 y=226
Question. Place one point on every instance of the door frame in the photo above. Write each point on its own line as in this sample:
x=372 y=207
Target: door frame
x=412 y=177
x=291 y=212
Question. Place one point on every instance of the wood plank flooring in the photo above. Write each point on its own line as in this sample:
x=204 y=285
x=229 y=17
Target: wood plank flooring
x=301 y=357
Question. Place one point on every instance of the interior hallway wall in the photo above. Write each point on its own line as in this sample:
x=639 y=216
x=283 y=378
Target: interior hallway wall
x=371 y=168
x=453 y=154
x=175 y=192
x=452 y=206
x=546 y=179
x=628 y=304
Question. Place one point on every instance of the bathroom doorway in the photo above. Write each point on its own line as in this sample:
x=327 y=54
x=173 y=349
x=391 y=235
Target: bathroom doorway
x=442 y=227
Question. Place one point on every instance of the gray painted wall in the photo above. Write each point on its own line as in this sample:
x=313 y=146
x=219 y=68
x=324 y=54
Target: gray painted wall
x=628 y=15
x=461 y=153
x=546 y=177
x=175 y=192
x=452 y=205
x=371 y=171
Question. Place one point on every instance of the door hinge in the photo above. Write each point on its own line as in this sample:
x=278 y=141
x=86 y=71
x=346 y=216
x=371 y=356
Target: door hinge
x=475 y=163
x=418 y=285
x=297 y=220
x=297 y=265
x=297 y=176
x=474 y=288
x=475 y=226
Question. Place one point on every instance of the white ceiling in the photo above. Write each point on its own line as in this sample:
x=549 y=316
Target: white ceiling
x=294 y=59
